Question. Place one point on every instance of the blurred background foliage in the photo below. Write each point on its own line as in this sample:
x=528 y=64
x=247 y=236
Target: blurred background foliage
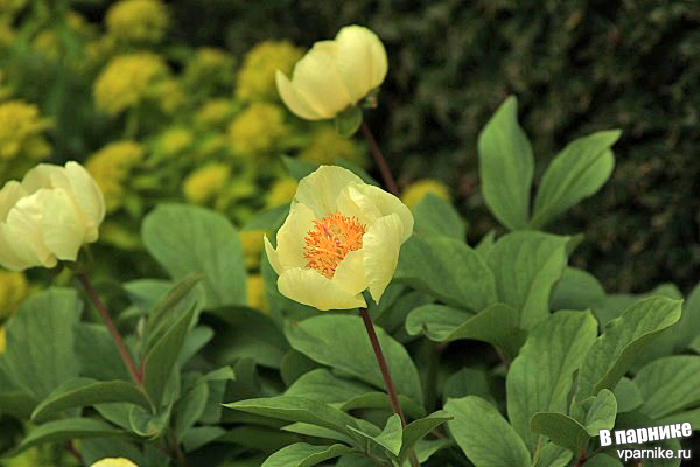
x=175 y=101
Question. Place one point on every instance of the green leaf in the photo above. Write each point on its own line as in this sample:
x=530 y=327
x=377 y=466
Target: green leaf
x=468 y=382
x=147 y=424
x=577 y=172
x=483 y=434
x=161 y=360
x=506 y=166
x=388 y=440
x=690 y=416
x=418 y=429
x=299 y=409
x=357 y=170
x=307 y=429
x=98 y=355
x=622 y=340
x=435 y=216
x=269 y=219
x=294 y=365
x=304 y=455
x=563 y=430
x=688 y=327
x=341 y=342
x=40 y=338
x=355 y=460
x=425 y=448
x=264 y=439
x=322 y=385
x=496 y=324
x=187 y=239
x=80 y=392
x=190 y=407
x=68 y=429
x=601 y=414
x=669 y=384
x=199 y=436
x=526 y=266
x=448 y=269
x=348 y=121
x=551 y=455
x=603 y=460
x=540 y=377
x=298 y=168
x=379 y=400
x=627 y=395
x=577 y=290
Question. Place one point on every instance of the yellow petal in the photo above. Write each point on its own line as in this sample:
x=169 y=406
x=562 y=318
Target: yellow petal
x=88 y=196
x=114 y=462
x=390 y=204
x=352 y=203
x=290 y=237
x=361 y=60
x=381 y=245
x=310 y=288
x=350 y=273
x=272 y=256
x=293 y=99
x=23 y=232
x=9 y=195
x=8 y=258
x=62 y=228
x=320 y=190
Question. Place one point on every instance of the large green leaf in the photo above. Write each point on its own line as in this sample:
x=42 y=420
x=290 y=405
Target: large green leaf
x=324 y=386
x=540 y=377
x=601 y=413
x=80 y=392
x=186 y=240
x=669 y=384
x=484 y=435
x=386 y=442
x=627 y=395
x=621 y=342
x=418 y=429
x=496 y=324
x=304 y=455
x=527 y=265
x=40 y=338
x=435 y=216
x=577 y=290
x=506 y=165
x=551 y=455
x=98 y=355
x=341 y=342
x=161 y=360
x=448 y=269
x=563 y=430
x=577 y=172
x=67 y=429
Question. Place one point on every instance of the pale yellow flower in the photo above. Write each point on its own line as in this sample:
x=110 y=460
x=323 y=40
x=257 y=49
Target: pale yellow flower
x=48 y=216
x=13 y=289
x=417 y=190
x=256 y=78
x=137 y=20
x=114 y=462
x=335 y=74
x=342 y=236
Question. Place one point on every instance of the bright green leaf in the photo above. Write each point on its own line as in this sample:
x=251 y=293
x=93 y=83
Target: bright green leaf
x=67 y=429
x=551 y=455
x=563 y=430
x=324 y=386
x=435 y=216
x=627 y=395
x=304 y=455
x=577 y=290
x=298 y=168
x=348 y=121
x=669 y=384
x=601 y=414
x=418 y=429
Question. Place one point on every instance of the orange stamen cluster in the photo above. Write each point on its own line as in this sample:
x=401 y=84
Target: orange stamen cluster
x=331 y=239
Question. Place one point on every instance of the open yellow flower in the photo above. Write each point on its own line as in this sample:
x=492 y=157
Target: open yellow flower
x=48 y=216
x=342 y=236
x=335 y=74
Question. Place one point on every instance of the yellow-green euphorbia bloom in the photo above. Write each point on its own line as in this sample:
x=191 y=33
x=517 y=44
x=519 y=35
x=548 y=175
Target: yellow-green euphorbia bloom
x=114 y=462
x=48 y=216
x=335 y=74
x=342 y=236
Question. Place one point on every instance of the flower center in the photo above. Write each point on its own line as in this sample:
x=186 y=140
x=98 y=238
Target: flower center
x=331 y=239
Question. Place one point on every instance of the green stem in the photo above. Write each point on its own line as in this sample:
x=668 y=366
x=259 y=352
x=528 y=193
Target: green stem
x=380 y=160
x=391 y=392
x=104 y=314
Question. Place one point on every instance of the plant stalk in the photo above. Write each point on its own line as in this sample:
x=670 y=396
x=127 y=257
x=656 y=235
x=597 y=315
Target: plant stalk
x=391 y=392
x=380 y=160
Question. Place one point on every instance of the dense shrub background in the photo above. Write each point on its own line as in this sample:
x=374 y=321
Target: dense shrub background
x=576 y=66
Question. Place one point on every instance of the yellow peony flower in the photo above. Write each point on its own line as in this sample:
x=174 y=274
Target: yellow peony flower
x=326 y=145
x=342 y=236
x=13 y=289
x=214 y=113
x=127 y=80
x=48 y=216
x=257 y=129
x=137 y=20
x=255 y=292
x=252 y=246
x=114 y=462
x=256 y=78
x=110 y=167
x=282 y=192
x=417 y=190
x=335 y=74
x=205 y=183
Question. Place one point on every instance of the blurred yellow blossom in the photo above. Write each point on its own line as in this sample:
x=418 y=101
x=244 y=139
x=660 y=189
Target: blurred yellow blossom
x=7 y=34
x=21 y=128
x=255 y=292
x=326 y=145
x=48 y=42
x=256 y=78
x=110 y=167
x=210 y=65
x=257 y=129
x=251 y=245
x=137 y=20
x=10 y=7
x=206 y=183
x=417 y=190
x=3 y=340
x=170 y=94
x=174 y=141
x=214 y=113
x=13 y=289
x=127 y=80
x=114 y=462
x=281 y=192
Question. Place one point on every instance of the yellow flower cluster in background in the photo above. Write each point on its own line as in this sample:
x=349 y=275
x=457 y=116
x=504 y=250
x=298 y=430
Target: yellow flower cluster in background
x=22 y=142
x=325 y=146
x=281 y=192
x=256 y=78
x=214 y=114
x=417 y=190
x=210 y=66
x=206 y=183
x=13 y=289
x=128 y=80
x=175 y=141
x=259 y=128
x=110 y=167
x=137 y=20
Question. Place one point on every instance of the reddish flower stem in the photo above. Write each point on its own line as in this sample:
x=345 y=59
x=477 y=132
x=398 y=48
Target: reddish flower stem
x=379 y=159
